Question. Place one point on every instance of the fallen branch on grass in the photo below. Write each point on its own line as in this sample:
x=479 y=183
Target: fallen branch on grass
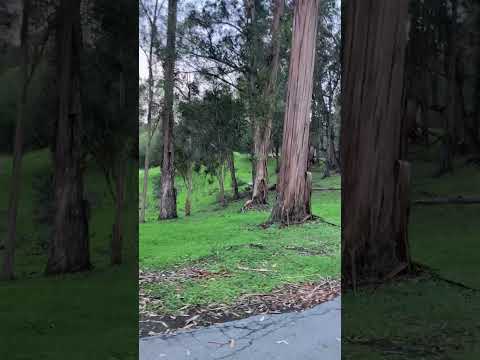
x=287 y=298
x=258 y=270
x=448 y=200
x=322 y=220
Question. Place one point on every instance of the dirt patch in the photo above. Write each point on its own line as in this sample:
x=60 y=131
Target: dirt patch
x=310 y=219
x=287 y=298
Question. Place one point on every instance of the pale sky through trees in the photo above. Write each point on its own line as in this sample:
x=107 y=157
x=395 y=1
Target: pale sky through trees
x=142 y=59
x=142 y=65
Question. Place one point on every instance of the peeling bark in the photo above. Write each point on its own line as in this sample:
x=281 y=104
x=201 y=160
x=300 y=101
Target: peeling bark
x=263 y=129
x=295 y=182
x=168 y=197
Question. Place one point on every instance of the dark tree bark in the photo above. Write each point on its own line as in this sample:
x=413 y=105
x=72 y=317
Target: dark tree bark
x=120 y=175
x=117 y=233
x=168 y=198
x=373 y=140
x=69 y=248
x=231 y=167
x=425 y=106
x=9 y=255
x=294 y=185
x=472 y=122
x=448 y=148
x=263 y=127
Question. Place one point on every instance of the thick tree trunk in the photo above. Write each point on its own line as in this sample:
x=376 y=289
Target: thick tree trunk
x=69 y=248
x=8 y=270
x=168 y=199
x=294 y=184
x=189 y=185
x=263 y=127
x=373 y=140
x=231 y=166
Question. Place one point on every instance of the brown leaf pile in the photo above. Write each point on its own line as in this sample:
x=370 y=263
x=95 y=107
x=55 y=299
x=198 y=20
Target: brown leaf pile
x=290 y=297
x=177 y=275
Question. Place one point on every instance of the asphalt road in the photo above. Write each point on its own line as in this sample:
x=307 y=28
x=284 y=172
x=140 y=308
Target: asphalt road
x=310 y=335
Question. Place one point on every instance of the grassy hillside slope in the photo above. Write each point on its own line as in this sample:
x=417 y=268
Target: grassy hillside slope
x=83 y=316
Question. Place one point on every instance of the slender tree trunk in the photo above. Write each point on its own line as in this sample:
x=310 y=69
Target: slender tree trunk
x=294 y=185
x=189 y=185
x=120 y=175
x=331 y=159
x=332 y=151
x=472 y=123
x=8 y=271
x=221 y=184
x=250 y=14
x=263 y=129
x=260 y=180
x=117 y=233
x=448 y=148
x=277 y=157
x=326 y=172
x=424 y=107
x=168 y=199
x=146 y=170
x=373 y=140
x=231 y=166
x=69 y=248
x=476 y=116
x=150 y=128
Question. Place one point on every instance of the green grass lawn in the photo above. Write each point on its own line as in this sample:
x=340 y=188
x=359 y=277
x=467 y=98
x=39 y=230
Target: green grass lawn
x=90 y=315
x=446 y=237
x=227 y=240
x=424 y=318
